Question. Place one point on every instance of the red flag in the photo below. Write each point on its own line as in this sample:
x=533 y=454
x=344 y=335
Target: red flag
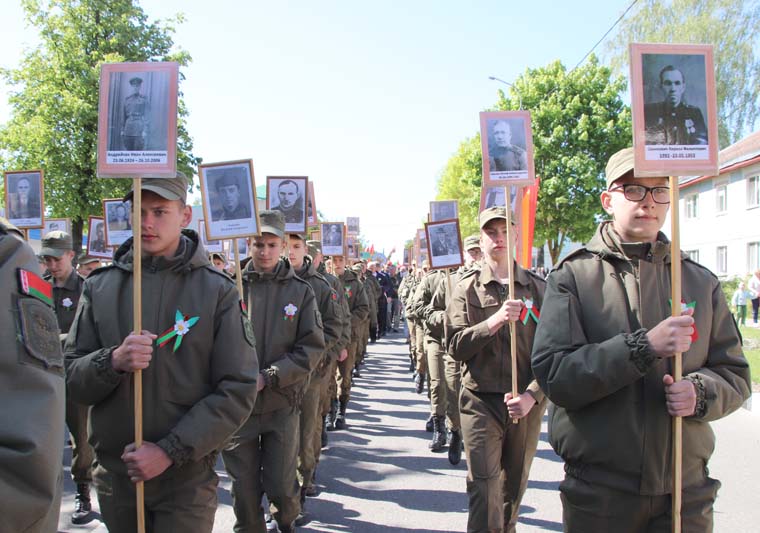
x=528 y=220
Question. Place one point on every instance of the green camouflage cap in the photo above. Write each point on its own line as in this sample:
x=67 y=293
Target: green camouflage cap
x=492 y=213
x=473 y=241
x=314 y=248
x=273 y=222
x=620 y=164
x=218 y=255
x=169 y=188
x=86 y=260
x=56 y=243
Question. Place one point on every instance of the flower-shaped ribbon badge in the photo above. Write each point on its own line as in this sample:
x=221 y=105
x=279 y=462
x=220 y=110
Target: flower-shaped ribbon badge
x=290 y=312
x=684 y=307
x=347 y=289
x=67 y=302
x=529 y=310
x=182 y=324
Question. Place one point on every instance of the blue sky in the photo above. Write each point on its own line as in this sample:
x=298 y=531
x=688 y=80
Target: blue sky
x=368 y=99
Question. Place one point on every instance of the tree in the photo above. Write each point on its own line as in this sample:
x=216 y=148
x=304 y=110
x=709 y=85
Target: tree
x=732 y=26
x=460 y=180
x=54 y=101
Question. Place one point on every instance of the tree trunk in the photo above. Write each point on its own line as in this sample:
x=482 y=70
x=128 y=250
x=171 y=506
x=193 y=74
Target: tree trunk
x=77 y=225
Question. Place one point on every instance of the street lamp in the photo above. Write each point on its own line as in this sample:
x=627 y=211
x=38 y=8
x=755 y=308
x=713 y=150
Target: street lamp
x=494 y=78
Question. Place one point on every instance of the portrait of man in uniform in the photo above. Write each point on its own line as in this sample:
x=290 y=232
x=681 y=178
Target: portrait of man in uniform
x=332 y=238
x=23 y=199
x=443 y=210
x=506 y=143
x=136 y=117
x=229 y=199
x=445 y=244
x=288 y=195
x=352 y=225
x=228 y=192
x=503 y=153
x=96 y=239
x=672 y=120
x=118 y=219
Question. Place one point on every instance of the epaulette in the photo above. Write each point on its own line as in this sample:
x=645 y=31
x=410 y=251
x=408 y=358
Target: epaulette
x=6 y=227
x=686 y=259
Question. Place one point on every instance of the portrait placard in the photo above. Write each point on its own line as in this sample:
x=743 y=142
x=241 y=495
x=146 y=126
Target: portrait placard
x=673 y=103
x=137 y=119
x=407 y=256
x=444 y=210
x=228 y=191
x=332 y=238
x=288 y=195
x=444 y=244
x=96 y=239
x=493 y=196
x=352 y=246
x=24 y=198
x=352 y=225
x=242 y=248
x=118 y=215
x=316 y=235
x=507 y=145
x=210 y=246
x=422 y=246
x=311 y=208
x=57 y=224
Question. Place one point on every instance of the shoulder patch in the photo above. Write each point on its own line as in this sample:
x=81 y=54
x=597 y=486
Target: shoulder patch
x=30 y=284
x=40 y=334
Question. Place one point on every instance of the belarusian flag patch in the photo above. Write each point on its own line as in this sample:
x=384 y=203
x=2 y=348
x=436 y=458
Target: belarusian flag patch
x=32 y=285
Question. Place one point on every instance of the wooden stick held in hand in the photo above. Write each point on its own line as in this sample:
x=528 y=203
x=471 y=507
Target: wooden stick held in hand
x=675 y=310
x=511 y=274
x=137 y=317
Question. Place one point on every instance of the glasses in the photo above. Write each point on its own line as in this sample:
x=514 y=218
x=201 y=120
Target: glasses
x=636 y=193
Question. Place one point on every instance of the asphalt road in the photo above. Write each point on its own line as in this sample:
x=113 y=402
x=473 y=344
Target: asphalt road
x=379 y=476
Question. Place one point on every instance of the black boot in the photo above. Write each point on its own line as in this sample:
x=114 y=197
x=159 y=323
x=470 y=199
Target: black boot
x=419 y=383
x=455 y=447
x=439 y=434
x=340 y=421
x=429 y=423
x=82 y=506
x=324 y=432
x=356 y=373
x=331 y=416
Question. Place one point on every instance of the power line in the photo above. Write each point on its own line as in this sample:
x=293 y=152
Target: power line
x=606 y=34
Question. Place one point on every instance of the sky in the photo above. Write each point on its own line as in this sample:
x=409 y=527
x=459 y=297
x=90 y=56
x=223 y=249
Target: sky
x=367 y=99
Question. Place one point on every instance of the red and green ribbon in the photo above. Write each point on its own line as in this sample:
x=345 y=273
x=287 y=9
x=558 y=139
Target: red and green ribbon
x=529 y=311
x=182 y=324
x=684 y=307
x=33 y=285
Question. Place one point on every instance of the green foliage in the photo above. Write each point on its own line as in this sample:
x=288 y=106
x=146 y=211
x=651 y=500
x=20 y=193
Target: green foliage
x=460 y=180
x=54 y=98
x=732 y=26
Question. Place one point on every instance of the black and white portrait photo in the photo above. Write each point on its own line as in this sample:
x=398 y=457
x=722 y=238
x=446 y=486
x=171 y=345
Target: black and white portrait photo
x=332 y=238
x=352 y=225
x=352 y=247
x=229 y=204
x=216 y=246
x=57 y=224
x=507 y=145
x=24 y=197
x=445 y=245
x=288 y=195
x=138 y=119
x=118 y=216
x=444 y=210
x=493 y=196
x=96 y=239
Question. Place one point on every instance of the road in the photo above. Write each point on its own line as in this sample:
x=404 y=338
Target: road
x=379 y=476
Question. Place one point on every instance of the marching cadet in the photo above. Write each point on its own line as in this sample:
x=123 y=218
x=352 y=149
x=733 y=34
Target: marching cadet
x=406 y=291
x=58 y=254
x=452 y=370
x=476 y=323
x=354 y=292
x=434 y=355
x=32 y=391
x=198 y=365
x=87 y=264
x=371 y=288
x=603 y=354
x=419 y=336
x=289 y=342
x=310 y=420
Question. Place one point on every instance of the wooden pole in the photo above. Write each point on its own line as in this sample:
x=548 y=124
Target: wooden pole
x=675 y=309
x=137 y=317
x=510 y=273
x=238 y=270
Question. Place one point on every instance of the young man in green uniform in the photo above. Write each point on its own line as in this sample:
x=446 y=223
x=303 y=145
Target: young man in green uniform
x=58 y=253
x=32 y=392
x=499 y=452
x=289 y=342
x=603 y=355
x=198 y=362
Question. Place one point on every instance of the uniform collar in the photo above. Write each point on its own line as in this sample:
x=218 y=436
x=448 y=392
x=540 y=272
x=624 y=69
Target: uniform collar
x=486 y=275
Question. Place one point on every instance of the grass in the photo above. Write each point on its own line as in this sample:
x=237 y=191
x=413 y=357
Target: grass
x=751 y=337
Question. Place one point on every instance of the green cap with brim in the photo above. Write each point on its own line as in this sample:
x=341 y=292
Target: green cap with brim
x=620 y=164
x=493 y=213
x=314 y=247
x=218 y=255
x=86 y=260
x=473 y=241
x=169 y=188
x=273 y=222
x=56 y=243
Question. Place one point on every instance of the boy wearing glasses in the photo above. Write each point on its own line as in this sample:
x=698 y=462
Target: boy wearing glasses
x=603 y=355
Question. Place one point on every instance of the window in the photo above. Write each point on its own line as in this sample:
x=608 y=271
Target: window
x=753 y=256
x=722 y=259
x=721 y=198
x=691 y=202
x=693 y=255
x=753 y=191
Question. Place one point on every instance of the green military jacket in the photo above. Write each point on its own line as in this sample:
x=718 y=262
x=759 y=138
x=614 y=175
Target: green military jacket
x=610 y=423
x=423 y=296
x=194 y=396
x=435 y=318
x=32 y=393
x=486 y=358
x=356 y=296
x=289 y=333
x=345 y=312
x=66 y=299
x=329 y=308
x=406 y=288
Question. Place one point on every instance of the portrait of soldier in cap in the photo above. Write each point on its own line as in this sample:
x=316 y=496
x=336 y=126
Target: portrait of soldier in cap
x=136 y=118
